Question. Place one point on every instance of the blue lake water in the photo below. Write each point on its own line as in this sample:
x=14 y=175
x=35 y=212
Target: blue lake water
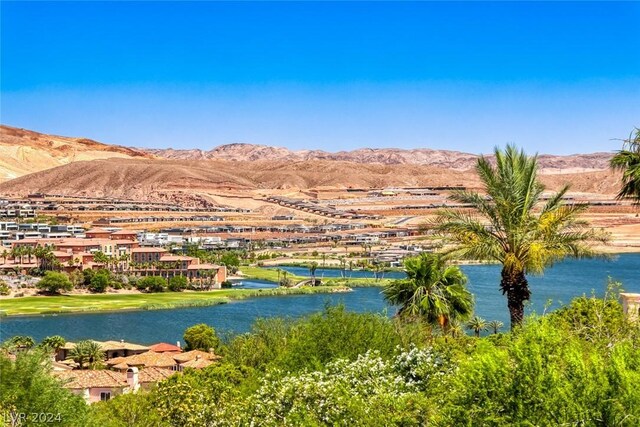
x=560 y=284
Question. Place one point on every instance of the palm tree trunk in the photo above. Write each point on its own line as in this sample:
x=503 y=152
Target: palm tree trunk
x=514 y=284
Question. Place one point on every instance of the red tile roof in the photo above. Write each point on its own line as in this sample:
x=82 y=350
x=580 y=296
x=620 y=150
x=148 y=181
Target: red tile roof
x=162 y=347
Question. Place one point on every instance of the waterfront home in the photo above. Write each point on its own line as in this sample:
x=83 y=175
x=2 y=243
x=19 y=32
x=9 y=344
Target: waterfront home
x=101 y=385
x=149 y=359
x=112 y=349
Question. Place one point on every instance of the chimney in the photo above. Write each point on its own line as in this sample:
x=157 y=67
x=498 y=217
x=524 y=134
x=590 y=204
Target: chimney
x=132 y=379
x=178 y=344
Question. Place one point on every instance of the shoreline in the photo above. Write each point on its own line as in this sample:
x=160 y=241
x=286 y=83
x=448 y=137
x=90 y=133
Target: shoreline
x=135 y=302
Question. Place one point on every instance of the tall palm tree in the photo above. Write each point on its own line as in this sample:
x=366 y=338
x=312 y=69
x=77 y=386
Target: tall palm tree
x=495 y=325
x=627 y=160
x=433 y=291
x=5 y=254
x=477 y=325
x=312 y=269
x=511 y=227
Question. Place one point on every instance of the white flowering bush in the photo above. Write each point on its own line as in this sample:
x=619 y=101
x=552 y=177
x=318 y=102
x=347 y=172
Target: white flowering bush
x=419 y=366
x=366 y=391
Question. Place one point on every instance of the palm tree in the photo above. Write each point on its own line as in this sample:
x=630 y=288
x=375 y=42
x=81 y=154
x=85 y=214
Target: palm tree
x=28 y=250
x=53 y=343
x=477 y=325
x=312 y=269
x=87 y=351
x=5 y=254
x=627 y=160
x=432 y=290
x=495 y=326
x=510 y=228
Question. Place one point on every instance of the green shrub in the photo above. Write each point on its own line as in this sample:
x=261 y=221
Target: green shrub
x=99 y=282
x=178 y=283
x=54 y=282
x=201 y=337
x=152 y=284
x=4 y=288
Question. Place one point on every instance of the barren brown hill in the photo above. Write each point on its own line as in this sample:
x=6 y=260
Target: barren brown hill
x=23 y=151
x=163 y=179
x=388 y=156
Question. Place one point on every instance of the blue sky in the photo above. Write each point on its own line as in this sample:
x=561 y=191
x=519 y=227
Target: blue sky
x=550 y=77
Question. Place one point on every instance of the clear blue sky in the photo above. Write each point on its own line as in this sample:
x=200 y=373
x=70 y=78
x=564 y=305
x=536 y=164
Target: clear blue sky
x=551 y=77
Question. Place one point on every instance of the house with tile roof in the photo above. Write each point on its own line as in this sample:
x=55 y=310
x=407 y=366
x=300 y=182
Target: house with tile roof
x=104 y=384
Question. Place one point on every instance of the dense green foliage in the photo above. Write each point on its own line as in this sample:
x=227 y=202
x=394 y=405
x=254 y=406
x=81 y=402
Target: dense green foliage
x=152 y=284
x=54 y=282
x=201 y=337
x=178 y=283
x=99 y=281
x=28 y=388
x=627 y=160
x=579 y=365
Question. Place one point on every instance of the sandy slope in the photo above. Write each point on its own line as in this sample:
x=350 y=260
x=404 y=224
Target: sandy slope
x=23 y=152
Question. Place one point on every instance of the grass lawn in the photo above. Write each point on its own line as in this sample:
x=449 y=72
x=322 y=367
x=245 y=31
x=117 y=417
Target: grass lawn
x=268 y=274
x=115 y=302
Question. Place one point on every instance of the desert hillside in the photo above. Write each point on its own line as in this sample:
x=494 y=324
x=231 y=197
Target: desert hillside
x=23 y=152
x=388 y=156
x=154 y=180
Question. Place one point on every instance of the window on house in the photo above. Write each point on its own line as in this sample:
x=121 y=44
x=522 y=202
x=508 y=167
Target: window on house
x=105 y=395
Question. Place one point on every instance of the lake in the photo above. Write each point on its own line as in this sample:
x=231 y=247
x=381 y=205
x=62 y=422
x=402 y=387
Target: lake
x=560 y=284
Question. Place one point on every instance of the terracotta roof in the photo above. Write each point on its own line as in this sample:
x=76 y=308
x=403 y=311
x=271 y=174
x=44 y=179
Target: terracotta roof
x=116 y=360
x=153 y=374
x=150 y=358
x=203 y=267
x=80 y=379
x=124 y=233
x=121 y=345
x=148 y=250
x=175 y=258
x=162 y=347
x=98 y=230
x=193 y=354
x=120 y=366
x=197 y=363
x=59 y=366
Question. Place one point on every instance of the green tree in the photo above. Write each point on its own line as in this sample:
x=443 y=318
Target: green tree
x=54 y=282
x=432 y=290
x=77 y=278
x=312 y=270
x=201 y=337
x=19 y=342
x=53 y=343
x=477 y=325
x=99 y=282
x=178 y=283
x=4 y=288
x=495 y=326
x=231 y=260
x=152 y=284
x=87 y=353
x=508 y=227
x=29 y=388
x=132 y=410
x=627 y=160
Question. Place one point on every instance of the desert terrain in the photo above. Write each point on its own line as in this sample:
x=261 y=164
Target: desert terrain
x=384 y=188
